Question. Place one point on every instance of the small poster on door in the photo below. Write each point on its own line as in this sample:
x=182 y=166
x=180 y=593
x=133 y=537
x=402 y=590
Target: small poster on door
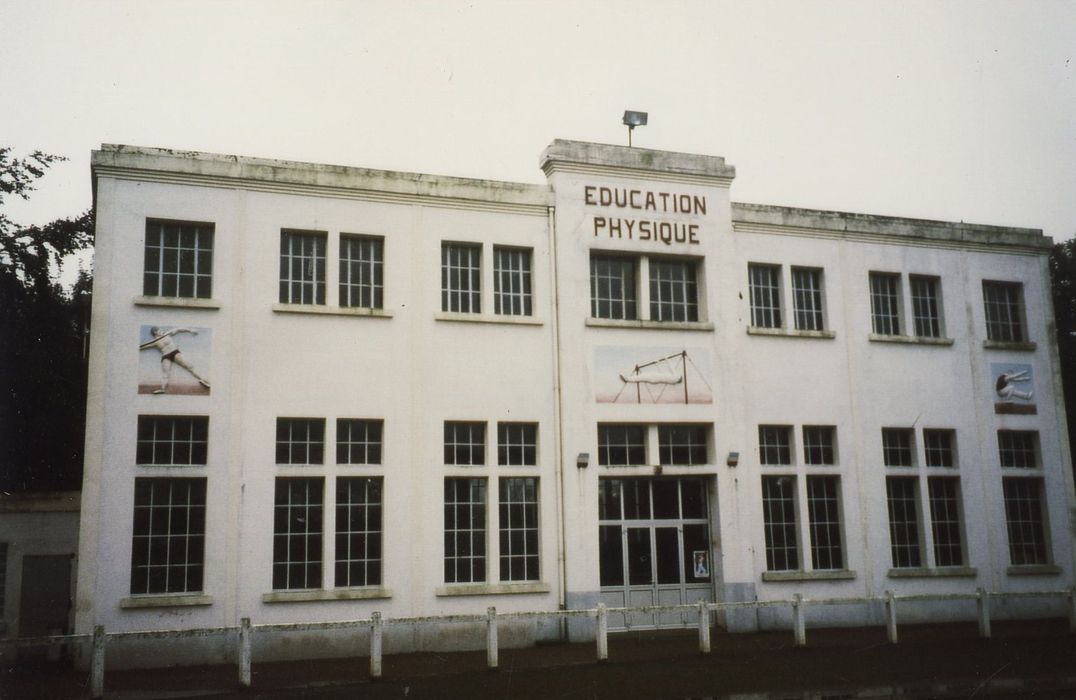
x=702 y=563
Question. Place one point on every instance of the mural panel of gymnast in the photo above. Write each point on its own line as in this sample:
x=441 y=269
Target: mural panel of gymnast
x=164 y=341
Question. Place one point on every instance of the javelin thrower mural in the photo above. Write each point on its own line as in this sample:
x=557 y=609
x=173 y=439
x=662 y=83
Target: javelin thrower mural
x=652 y=375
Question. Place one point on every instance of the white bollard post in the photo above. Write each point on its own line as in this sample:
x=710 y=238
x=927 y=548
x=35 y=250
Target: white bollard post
x=983 y=603
x=97 y=663
x=603 y=633
x=891 y=617
x=491 y=637
x=244 y=652
x=799 y=625
x=704 y=627
x=375 y=645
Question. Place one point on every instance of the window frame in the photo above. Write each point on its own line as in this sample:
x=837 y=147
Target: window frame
x=513 y=288
x=1010 y=327
x=808 y=316
x=368 y=265
x=309 y=287
x=456 y=296
x=199 y=253
x=765 y=295
x=886 y=303
x=311 y=533
x=148 y=528
x=359 y=549
x=151 y=443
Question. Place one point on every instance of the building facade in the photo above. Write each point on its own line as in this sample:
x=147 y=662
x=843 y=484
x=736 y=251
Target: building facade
x=319 y=391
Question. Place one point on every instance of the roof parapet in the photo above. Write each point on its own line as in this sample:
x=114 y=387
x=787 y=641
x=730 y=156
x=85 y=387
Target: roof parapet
x=601 y=155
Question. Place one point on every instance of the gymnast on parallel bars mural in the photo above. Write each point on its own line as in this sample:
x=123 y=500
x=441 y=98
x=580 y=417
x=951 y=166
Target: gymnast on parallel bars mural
x=1014 y=388
x=155 y=368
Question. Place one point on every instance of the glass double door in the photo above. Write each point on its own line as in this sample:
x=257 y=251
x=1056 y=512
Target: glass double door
x=654 y=548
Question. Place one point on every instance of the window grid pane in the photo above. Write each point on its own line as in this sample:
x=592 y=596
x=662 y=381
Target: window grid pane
x=682 y=445
x=172 y=440
x=512 y=281
x=925 y=314
x=168 y=543
x=903 y=521
x=824 y=512
x=818 y=445
x=885 y=303
x=612 y=287
x=517 y=444
x=361 y=272
x=1004 y=311
x=358 y=532
x=775 y=444
x=465 y=443
x=945 y=520
x=465 y=530
x=673 y=291
x=764 y=283
x=779 y=521
x=620 y=445
x=178 y=260
x=519 y=529
x=1017 y=449
x=302 y=267
x=897 y=448
x=1026 y=522
x=358 y=441
x=297 y=533
x=300 y=440
x=807 y=298
x=938 y=445
x=461 y=278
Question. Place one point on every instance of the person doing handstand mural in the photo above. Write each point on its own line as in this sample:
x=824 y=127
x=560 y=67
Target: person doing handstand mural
x=170 y=354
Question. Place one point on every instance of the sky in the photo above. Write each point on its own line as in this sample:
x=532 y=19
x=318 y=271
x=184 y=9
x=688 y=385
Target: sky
x=962 y=111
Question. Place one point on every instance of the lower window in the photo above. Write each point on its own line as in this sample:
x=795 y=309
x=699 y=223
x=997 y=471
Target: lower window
x=1026 y=519
x=358 y=531
x=465 y=530
x=168 y=545
x=779 y=520
x=518 y=503
x=297 y=533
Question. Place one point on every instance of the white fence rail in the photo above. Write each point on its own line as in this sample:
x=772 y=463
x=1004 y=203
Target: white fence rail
x=376 y=624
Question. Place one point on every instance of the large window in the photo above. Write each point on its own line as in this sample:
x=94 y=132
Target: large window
x=903 y=502
x=358 y=531
x=168 y=542
x=512 y=281
x=465 y=530
x=779 y=521
x=1025 y=508
x=461 y=278
x=297 y=533
x=361 y=281
x=885 y=303
x=302 y=267
x=674 y=291
x=621 y=445
x=519 y=529
x=824 y=511
x=612 y=287
x=807 y=298
x=172 y=440
x=945 y=520
x=926 y=306
x=1003 y=303
x=764 y=283
x=178 y=260
x=300 y=440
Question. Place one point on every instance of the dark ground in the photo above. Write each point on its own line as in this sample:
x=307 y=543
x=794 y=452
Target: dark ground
x=1023 y=659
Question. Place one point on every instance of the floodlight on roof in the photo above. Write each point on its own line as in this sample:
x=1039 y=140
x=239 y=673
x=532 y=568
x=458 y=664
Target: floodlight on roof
x=632 y=120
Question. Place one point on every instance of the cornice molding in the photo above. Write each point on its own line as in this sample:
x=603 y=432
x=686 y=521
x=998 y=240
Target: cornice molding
x=555 y=166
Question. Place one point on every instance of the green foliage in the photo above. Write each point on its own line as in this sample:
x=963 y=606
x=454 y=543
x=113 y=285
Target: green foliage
x=43 y=334
x=1063 y=284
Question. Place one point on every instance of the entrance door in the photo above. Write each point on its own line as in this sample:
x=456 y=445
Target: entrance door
x=46 y=595
x=654 y=548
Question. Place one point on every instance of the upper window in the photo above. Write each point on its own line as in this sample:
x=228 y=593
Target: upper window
x=621 y=445
x=465 y=443
x=179 y=259
x=612 y=287
x=674 y=291
x=775 y=444
x=300 y=440
x=362 y=281
x=1004 y=306
x=358 y=441
x=1018 y=448
x=819 y=444
x=682 y=445
x=764 y=282
x=168 y=536
x=302 y=267
x=898 y=447
x=807 y=298
x=926 y=306
x=461 y=278
x=512 y=281
x=940 y=448
x=172 y=440
x=885 y=303
x=517 y=444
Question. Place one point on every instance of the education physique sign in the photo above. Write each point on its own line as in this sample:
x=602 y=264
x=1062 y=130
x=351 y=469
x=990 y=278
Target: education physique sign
x=635 y=226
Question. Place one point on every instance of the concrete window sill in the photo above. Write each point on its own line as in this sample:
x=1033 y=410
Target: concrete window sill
x=165 y=601
x=909 y=340
x=322 y=310
x=1034 y=570
x=311 y=596
x=781 y=576
x=650 y=325
x=458 y=589
x=488 y=318
x=791 y=333
x=178 y=302
x=943 y=572
x=1026 y=346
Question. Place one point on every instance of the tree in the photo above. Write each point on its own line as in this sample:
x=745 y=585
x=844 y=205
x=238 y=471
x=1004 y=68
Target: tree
x=1063 y=284
x=42 y=341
